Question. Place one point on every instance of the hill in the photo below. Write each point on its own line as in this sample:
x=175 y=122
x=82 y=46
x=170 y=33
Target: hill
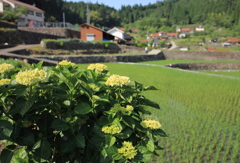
x=166 y=13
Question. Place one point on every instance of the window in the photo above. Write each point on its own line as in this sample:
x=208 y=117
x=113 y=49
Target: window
x=38 y=14
x=90 y=37
x=6 y=7
x=30 y=12
x=21 y=20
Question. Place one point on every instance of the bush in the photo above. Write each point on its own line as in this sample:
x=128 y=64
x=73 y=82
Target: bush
x=67 y=114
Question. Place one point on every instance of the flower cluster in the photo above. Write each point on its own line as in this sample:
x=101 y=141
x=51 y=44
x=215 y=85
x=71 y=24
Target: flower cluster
x=31 y=77
x=116 y=80
x=128 y=150
x=152 y=124
x=5 y=67
x=119 y=108
x=5 y=81
x=98 y=67
x=112 y=129
x=129 y=108
x=65 y=62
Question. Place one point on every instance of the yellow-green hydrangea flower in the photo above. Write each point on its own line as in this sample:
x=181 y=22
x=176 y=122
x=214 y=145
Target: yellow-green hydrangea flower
x=129 y=108
x=128 y=150
x=31 y=77
x=97 y=66
x=112 y=129
x=5 y=67
x=152 y=124
x=119 y=108
x=5 y=81
x=116 y=80
x=65 y=62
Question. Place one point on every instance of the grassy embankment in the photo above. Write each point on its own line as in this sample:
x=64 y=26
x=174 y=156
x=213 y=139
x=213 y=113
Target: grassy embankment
x=199 y=112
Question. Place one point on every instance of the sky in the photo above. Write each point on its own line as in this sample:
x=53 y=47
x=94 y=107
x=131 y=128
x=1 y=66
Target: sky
x=118 y=3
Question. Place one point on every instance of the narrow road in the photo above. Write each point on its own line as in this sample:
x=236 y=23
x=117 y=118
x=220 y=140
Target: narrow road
x=7 y=53
x=174 y=46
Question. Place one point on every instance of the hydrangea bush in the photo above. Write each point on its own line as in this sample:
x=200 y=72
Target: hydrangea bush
x=68 y=114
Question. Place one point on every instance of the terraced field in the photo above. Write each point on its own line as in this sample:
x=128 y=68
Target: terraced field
x=199 y=112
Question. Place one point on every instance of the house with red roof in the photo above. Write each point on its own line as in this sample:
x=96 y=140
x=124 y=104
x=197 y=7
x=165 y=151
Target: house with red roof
x=161 y=33
x=34 y=14
x=135 y=31
x=233 y=40
x=171 y=35
x=92 y=33
x=188 y=30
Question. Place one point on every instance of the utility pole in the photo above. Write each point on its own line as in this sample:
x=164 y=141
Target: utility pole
x=88 y=14
x=64 y=20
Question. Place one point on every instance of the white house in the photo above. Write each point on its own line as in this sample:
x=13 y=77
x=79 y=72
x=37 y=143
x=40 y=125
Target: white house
x=200 y=28
x=117 y=33
x=34 y=14
x=178 y=29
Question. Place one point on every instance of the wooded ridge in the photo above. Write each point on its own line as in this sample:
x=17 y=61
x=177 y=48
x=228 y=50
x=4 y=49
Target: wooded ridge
x=167 y=13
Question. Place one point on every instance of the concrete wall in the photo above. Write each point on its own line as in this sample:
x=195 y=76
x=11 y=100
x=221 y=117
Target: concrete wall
x=201 y=55
x=206 y=66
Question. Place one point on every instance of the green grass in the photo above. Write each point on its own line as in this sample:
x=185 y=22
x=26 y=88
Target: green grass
x=200 y=113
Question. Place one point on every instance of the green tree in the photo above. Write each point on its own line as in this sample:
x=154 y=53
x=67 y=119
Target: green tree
x=11 y=15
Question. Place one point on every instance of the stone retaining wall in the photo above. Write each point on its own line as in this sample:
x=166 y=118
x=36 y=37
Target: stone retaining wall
x=201 y=55
x=60 y=32
x=26 y=35
x=206 y=66
x=7 y=25
x=106 y=58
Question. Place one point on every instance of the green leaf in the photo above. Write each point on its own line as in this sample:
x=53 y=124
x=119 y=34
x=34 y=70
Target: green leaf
x=149 y=143
x=110 y=140
x=45 y=150
x=104 y=153
x=59 y=125
x=99 y=98
x=83 y=108
x=103 y=120
x=112 y=152
x=6 y=129
x=68 y=145
x=139 y=85
x=159 y=132
x=45 y=122
x=98 y=130
x=25 y=138
x=16 y=131
x=129 y=121
x=126 y=96
x=147 y=155
x=20 y=90
x=80 y=141
x=62 y=158
x=150 y=88
x=151 y=103
x=126 y=133
x=21 y=106
x=6 y=156
x=97 y=141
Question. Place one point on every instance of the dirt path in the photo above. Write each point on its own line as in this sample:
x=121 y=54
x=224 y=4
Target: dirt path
x=174 y=46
